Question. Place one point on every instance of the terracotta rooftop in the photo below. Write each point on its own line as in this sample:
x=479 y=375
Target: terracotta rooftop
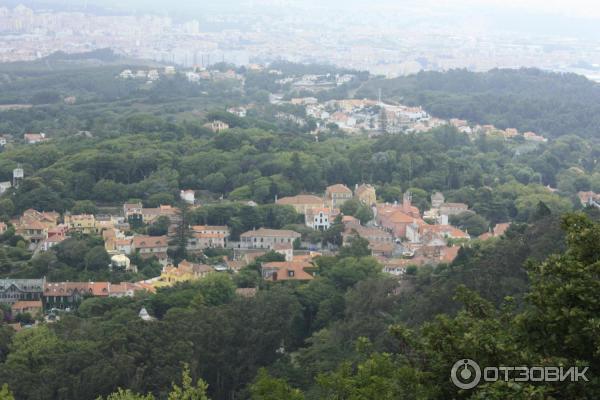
x=300 y=199
x=140 y=242
x=289 y=270
x=338 y=188
x=271 y=233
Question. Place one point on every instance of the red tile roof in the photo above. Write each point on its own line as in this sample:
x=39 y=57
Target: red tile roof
x=284 y=268
x=300 y=199
x=271 y=233
x=145 y=242
x=338 y=188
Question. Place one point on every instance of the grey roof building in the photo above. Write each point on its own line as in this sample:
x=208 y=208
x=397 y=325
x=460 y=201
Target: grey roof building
x=13 y=290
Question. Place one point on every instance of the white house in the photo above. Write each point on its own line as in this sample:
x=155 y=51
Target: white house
x=189 y=196
x=4 y=186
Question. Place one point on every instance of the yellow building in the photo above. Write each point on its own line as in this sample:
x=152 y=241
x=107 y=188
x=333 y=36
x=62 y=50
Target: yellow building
x=336 y=195
x=302 y=202
x=365 y=193
x=84 y=223
x=185 y=271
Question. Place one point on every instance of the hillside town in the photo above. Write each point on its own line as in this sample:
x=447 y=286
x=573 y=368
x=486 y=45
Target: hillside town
x=399 y=236
x=352 y=116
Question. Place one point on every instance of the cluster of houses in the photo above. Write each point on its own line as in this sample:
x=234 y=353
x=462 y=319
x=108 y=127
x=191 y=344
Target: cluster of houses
x=28 y=138
x=321 y=212
x=364 y=115
x=314 y=82
x=371 y=116
x=202 y=74
x=45 y=229
x=150 y=75
x=399 y=236
x=33 y=296
x=508 y=133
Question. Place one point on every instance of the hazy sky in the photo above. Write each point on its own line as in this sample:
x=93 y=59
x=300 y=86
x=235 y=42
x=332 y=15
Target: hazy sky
x=561 y=12
x=572 y=8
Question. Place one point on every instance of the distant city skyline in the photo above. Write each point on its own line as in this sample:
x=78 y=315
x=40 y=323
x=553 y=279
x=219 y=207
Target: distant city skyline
x=385 y=37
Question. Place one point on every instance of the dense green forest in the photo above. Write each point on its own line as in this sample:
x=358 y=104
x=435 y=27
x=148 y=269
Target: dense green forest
x=547 y=103
x=529 y=297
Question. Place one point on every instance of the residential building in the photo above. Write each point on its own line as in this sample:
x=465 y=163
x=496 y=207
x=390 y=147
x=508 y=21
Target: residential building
x=189 y=196
x=124 y=245
x=13 y=290
x=4 y=186
x=104 y=222
x=31 y=307
x=69 y=294
x=34 y=226
x=285 y=249
x=185 y=271
x=216 y=126
x=58 y=230
x=287 y=270
x=207 y=236
x=366 y=194
x=239 y=111
x=534 y=137
x=445 y=231
x=83 y=223
x=124 y=289
x=220 y=229
x=153 y=75
x=149 y=215
x=52 y=241
x=336 y=195
x=151 y=246
x=201 y=241
x=32 y=138
x=375 y=236
x=33 y=231
x=510 y=132
x=453 y=208
x=349 y=219
x=131 y=209
x=47 y=218
x=395 y=218
x=302 y=202
x=265 y=238
x=382 y=249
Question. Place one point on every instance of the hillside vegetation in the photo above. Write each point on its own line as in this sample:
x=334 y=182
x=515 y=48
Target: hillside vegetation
x=550 y=104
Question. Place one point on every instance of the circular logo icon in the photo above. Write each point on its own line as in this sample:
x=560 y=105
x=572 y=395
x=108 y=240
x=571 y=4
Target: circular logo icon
x=465 y=374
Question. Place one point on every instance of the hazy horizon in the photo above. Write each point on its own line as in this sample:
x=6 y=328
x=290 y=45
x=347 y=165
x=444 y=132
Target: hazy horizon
x=388 y=37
